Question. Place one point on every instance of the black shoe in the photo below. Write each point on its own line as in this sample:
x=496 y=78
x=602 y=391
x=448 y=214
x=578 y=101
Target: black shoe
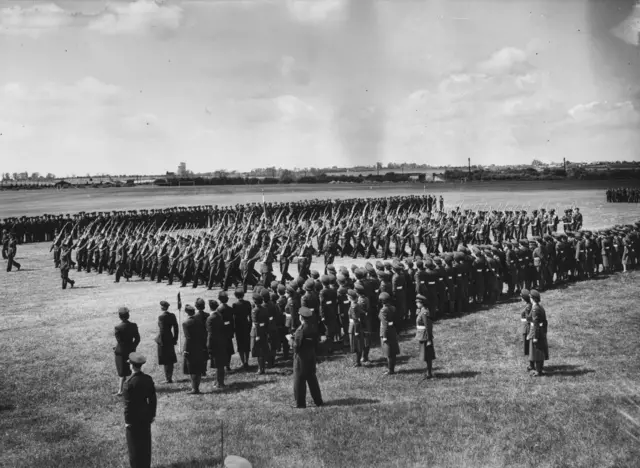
x=194 y=392
x=297 y=407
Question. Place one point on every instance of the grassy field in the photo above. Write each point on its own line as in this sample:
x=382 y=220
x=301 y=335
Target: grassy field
x=57 y=407
x=589 y=195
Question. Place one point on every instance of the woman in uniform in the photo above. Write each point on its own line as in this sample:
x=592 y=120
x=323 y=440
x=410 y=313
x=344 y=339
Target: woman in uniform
x=424 y=335
x=538 y=348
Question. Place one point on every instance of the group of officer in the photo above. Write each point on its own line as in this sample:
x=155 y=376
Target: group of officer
x=623 y=195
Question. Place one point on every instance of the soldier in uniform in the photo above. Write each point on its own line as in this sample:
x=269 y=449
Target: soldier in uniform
x=329 y=311
x=424 y=333
x=139 y=412
x=11 y=253
x=195 y=341
x=242 y=326
x=538 y=349
x=525 y=320
x=259 y=335
x=303 y=343
x=167 y=338
x=388 y=335
x=217 y=343
x=127 y=340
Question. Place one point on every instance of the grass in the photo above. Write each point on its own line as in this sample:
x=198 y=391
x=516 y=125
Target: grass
x=483 y=409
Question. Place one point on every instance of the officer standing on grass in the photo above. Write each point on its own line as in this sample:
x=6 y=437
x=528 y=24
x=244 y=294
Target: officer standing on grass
x=303 y=343
x=139 y=412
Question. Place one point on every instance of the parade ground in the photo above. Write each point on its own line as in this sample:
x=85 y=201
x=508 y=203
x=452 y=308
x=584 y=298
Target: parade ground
x=482 y=409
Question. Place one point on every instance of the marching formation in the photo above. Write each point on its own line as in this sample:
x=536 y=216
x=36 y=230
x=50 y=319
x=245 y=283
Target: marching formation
x=623 y=195
x=244 y=242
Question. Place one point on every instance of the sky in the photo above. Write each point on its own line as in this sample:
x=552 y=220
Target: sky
x=121 y=87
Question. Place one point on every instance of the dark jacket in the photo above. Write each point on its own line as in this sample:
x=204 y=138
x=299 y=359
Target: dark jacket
x=127 y=338
x=139 y=400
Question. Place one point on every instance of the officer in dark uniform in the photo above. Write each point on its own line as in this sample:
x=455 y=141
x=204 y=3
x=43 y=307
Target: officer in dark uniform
x=217 y=343
x=388 y=335
x=128 y=339
x=303 y=343
x=195 y=341
x=139 y=412
x=167 y=338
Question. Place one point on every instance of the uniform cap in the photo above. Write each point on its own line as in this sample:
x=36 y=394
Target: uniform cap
x=257 y=298
x=222 y=294
x=309 y=285
x=199 y=303
x=359 y=288
x=305 y=312
x=324 y=279
x=379 y=265
x=281 y=289
x=331 y=268
x=164 y=304
x=123 y=310
x=535 y=294
x=266 y=295
x=342 y=290
x=384 y=297
x=421 y=298
x=525 y=293
x=213 y=304
x=274 y=285
x=137 y=359
x=351 y=293
x=189 y=308
x=314 y=274
x=239 y=292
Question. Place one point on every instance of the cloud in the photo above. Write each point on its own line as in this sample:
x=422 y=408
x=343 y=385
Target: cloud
x=317 y=10
x=86 y=90
x=139 y=17
x=14 y=131
x=604 y=114
x=140 y=122
x=34 y=20
x=506 y=60
x=293 y=72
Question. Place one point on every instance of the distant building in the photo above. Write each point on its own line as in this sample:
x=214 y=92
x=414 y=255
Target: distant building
x=182 y=169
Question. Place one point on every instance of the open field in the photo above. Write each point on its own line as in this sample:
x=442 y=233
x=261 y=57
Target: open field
x=482 y=410
x=589 y=196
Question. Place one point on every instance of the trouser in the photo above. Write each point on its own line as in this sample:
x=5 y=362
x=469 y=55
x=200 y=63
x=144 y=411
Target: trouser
x=121 y=271
x=11 y=263
x=139 y=443
x=284 y=269
x=168 y=372
x=391 y=363
x=300 y=382
x=64 y=274
x=219 y=365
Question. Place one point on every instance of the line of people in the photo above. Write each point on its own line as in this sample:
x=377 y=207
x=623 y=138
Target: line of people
x=623 y=195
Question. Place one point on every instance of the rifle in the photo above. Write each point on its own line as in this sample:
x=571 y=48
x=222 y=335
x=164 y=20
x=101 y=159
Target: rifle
x=180 y=321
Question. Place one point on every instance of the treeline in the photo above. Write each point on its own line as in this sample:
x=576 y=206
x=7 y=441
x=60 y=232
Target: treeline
x=290 y=179
x=530 y=173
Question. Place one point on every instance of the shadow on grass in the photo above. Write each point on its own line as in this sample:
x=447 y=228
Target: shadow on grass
x=84 y=287
x=7 y=407
x=233 y=387
x=567 y=370
x=208 y=462
x=456 y=375
x=351 y=402
x=382 y=362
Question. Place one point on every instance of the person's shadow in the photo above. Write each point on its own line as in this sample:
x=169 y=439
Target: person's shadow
x=351 y=402
x=567 y=370
x=208 y=462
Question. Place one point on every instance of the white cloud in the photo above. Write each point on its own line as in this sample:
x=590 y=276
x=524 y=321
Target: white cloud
x=86 y=90
x=604 y=113
x=34 y=20
x=138 y=17
x=316 y=10
x=140 y=122
x=14 y=131
x=506 y=60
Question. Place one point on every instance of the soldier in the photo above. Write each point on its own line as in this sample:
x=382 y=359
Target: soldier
x=195 y=341
x=388 y=335
x=329 y=311
x=242 y=326
x=139 y=412
x=259 y=336
x=539 y=349
x=217 y=343
x=525 y=320
x=11 y=253
x=424 y=333
x=167 y=338
x=304 y=342
x=65 y=262
x=127 y=340
x=229 y=328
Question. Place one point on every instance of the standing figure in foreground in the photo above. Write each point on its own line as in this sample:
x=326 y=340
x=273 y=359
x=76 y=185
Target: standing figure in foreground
x=525 y=320
x=139 y=412
x=424 y=333
x=539 y=349
x=128 y=339
x=388 y=335
x=304 y=365
x=195 y=341
x=167 y=339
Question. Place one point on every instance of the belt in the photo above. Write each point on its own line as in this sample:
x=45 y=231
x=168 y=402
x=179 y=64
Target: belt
x=450 y=277
x=312 y=310
x=270 y=318
x=479 y=271
x=227 y=323
x=459 y=274
x=440 y=279
x=523 y=320
x=421 y=282
x=262 y=324
x=345 y=302
x=329 y=302
x=390 y=324
x=421 y=327
x=351 y=321
x=432 y=283
x=399 y=287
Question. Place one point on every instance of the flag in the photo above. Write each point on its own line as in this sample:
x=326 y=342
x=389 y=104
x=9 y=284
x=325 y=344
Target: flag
x=179 y=302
